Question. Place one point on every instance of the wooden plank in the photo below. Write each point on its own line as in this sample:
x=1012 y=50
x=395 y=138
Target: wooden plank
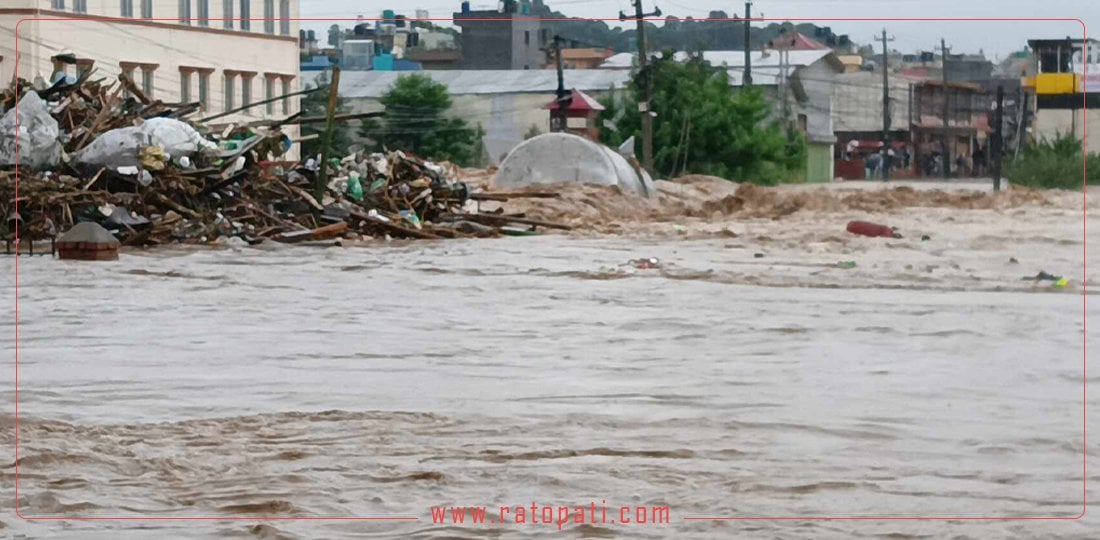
x=129 y=84
x=494 y=219
x=320 y=233
x=503 y=196
x=394 y=227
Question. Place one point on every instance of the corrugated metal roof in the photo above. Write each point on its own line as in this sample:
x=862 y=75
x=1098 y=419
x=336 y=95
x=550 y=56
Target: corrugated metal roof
x=375 y=84
x=760 y=59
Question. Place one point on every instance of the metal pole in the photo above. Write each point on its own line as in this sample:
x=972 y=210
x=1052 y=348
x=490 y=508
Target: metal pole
x=783 y=88
x=748 y=45
x=643 y=66
x=558 y=120
x=998 y=137
x=647 y=115
x=887 y=162
x=1021 y=129
x=326 y=148
x=946 y=109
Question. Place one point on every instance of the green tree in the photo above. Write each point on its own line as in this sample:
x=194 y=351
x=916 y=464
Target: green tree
x=415 y=120
x=705 y=126
x=316 y=105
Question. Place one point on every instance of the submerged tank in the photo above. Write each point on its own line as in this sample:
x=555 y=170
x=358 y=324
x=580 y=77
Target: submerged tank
x=555 y=158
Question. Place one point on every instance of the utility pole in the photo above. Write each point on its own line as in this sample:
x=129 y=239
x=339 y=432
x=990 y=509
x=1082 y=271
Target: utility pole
x=946 y=109
x=558 y=119
x=783 y=87
x=886 y=107
x=998 y=137
x=643 y=66
x=748 y=47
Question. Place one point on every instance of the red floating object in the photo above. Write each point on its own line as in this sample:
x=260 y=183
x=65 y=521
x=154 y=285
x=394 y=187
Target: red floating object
x=864 y=228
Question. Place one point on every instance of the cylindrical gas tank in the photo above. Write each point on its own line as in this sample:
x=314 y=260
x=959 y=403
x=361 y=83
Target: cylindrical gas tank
x=865 y=228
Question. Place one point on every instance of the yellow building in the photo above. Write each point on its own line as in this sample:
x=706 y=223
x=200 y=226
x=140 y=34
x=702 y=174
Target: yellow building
x=1063 y=77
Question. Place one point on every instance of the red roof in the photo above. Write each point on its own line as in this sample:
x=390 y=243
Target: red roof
x=581 y=102
x=795 y=41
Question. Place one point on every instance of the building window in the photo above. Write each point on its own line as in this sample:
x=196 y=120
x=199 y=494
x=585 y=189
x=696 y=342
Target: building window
x=246 y=12
x=127 y=8
x=185 y=11
x=246 y=91
x=269 y=95
x=527 y=37
x=269 y=16
x=227 y=14
x=146 y=9
x=229 y=92
x=128 y=71
x=80 y=6
x=147 y=81
x=286 y=100
x=284 y=17
x=204 y=13
x=185 y=86
x=204 y=89
x=57 y=4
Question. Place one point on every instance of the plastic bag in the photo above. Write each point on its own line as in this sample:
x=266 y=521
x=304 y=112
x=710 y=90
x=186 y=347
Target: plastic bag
x=38 y=132
x=121 y=147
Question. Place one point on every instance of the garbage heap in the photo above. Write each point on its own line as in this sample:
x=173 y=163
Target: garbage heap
x=145 y=172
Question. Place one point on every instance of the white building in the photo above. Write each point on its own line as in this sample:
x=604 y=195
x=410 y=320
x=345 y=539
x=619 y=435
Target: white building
x=175 y=50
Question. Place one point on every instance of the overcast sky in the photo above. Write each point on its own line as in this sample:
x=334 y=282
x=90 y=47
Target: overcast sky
x=996 y=38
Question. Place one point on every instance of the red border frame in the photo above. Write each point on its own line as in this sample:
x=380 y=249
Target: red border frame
x=1084 y=296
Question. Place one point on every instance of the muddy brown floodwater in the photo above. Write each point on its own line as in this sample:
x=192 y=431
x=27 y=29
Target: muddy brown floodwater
x=750 y=375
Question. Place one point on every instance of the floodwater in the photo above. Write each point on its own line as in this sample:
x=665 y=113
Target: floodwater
x=930 y=381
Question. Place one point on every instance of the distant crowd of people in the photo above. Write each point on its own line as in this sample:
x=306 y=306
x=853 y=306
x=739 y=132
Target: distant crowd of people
x=878 y=164
x=929 y=163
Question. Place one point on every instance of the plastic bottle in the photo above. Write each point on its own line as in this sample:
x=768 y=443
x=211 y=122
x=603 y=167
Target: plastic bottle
x=355 y=188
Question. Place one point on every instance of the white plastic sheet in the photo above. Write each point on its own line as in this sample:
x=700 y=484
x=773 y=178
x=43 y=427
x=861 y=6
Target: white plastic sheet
x=39 y=147
x=121 y=147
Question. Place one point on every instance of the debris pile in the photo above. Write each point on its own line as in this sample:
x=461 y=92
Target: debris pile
x=149 y=175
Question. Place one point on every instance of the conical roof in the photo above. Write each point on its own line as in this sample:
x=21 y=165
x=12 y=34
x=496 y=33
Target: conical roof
x=89 y=233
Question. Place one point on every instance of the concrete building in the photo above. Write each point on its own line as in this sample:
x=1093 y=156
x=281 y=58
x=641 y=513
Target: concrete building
x=195 y=57
x=812 y=87
x=502 y=40
x=1063 y=76
x=968 y=68
x=857 y=120
x=967 y=123
x=852 y=62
